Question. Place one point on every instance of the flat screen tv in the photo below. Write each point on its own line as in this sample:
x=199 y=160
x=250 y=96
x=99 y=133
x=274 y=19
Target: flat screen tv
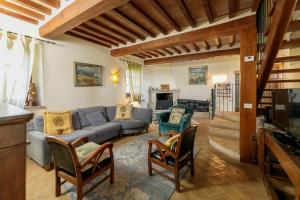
x=286 y=111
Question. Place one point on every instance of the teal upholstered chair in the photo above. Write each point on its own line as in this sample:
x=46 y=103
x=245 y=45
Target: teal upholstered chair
x=165 y=126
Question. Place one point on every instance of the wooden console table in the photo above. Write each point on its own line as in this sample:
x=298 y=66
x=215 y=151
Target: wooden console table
x=13 y=151
x=290 y=163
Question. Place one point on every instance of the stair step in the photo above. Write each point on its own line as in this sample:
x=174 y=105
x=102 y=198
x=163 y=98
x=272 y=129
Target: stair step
x=232 y=116
x=224 y=133
x=220 y=122
x=228 y=147
x=283 y=186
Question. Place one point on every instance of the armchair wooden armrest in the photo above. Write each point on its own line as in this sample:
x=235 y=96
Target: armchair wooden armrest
x=94 y=157
x=163 y=149
x=80 y=141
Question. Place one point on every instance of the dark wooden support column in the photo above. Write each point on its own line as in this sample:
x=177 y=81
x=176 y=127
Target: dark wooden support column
x=248 y=41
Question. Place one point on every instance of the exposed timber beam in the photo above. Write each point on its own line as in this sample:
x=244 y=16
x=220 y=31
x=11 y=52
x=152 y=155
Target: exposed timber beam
x=101 y=34
x=293 y=43
x=280 y=22
x=160 y=53
x=145 y=55
x=184 y=48
x=146 y=17
x=207 y=9
x=139 y=56
x=232 y=7
x=287 y=59
x=196 y=47
x=186 y=13
x=75 y=14
x=176 y=50
x=51 y=3
x=233 y=40
x=34 y=6
x=152 y=54
x=18 y=16
x=255 y=5
x=294 y=26
x=284 y=81
x=167 y=51
x=212 y=32
x=21 y=10
x=80 y=36
x=190 y=57
x=206 y=45
x=281 y=71
x=120 y=16
x=163 y=13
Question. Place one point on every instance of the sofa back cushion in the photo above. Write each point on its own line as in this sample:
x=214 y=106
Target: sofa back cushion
x=143 y=114
x=83 y=112
x=111 y=112
x=75 y=120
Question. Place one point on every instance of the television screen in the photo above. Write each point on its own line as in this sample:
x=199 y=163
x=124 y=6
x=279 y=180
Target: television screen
x=286 y=110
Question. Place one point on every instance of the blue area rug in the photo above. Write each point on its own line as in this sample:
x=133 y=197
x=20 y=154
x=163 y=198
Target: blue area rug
x=132 y=181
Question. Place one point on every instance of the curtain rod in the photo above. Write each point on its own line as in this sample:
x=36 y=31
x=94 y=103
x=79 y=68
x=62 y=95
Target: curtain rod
x=30 y=37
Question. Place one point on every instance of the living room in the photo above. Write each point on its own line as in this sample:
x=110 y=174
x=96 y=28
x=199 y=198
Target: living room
x=146 y=99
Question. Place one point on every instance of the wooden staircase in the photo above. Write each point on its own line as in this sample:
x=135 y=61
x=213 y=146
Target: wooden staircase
x=274 y=21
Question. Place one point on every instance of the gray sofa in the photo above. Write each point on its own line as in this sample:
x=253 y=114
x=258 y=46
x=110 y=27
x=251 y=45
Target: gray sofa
x=38 y=147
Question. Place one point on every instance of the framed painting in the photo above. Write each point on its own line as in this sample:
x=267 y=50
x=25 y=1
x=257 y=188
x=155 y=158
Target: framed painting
x=198 y=75
x=87 y=74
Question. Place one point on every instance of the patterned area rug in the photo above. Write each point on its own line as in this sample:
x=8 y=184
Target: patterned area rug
x=132 y=181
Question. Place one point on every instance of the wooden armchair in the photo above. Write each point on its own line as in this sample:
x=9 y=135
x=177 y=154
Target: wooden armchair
x=173 y=160
x=68 y=167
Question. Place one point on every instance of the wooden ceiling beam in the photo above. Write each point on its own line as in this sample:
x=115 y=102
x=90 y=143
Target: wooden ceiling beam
x=75 y=14
x=196 y=47
x=207 y=9
x=85 y=32
x=119 y=27
x=185 y=12
x=255 y=5
x=51 y=3
x=218 y=42
x=294 y=26
x=120 y=16
x=34 y=6
x=146 y=17
x=293 y=43
x=232 y=7
x=159 y=52
x=175 y=50
x=139 y=56
x=18 y=16
x=152 y=54
x=212 y=32
x=185 y=48
x=190 y=57
x=281 y=71
x=74 y=34
x=167 y=51
x=163 y=13
x=287 y=59
x=91 y=36
x=232 y=40
x=206 y=45
x=21 y=10
x=145 y=55
x=109 y=30
x=101 y=34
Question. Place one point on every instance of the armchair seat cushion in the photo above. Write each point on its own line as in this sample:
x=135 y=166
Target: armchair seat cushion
x=170 y=160
x=131 y=124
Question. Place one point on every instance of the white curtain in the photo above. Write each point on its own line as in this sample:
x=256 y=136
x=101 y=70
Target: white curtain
x=17 y=55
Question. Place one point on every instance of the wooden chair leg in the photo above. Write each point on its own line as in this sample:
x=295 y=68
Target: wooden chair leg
x=149 y=167
x=57 y=185
x=79 y=191
x=177 y=183
x=112 y=174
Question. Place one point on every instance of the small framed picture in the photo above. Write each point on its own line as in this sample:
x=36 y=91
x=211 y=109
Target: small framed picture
x=198 y=75
x=87 y=74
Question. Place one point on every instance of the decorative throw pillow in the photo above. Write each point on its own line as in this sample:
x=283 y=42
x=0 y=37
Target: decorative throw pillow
x=123 y=111
x=96 y=118
x=171 y=143
x=56 y=123
x=176 y=115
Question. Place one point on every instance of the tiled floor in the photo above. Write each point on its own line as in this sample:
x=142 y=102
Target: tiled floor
x=216 y=177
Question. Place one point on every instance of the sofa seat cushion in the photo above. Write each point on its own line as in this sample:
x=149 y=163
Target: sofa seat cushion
x=131 y=124
x=77 y=134
x=104 y=128
x=170 y=125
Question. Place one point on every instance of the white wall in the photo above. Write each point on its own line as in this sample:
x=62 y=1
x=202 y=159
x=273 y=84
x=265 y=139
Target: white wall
x=176 y=75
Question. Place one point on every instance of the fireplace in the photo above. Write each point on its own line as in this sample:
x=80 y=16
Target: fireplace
x=164 y=101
